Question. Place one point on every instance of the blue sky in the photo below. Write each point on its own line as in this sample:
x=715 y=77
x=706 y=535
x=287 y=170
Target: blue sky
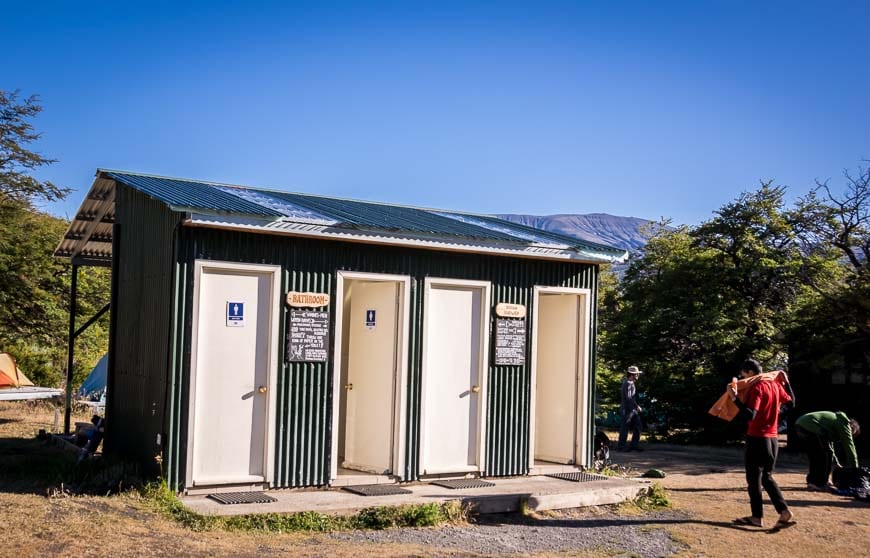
x=647 y=109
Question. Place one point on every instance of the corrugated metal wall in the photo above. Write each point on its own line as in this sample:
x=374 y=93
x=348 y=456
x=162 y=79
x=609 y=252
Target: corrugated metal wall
x=305 y=390
x=141 y=316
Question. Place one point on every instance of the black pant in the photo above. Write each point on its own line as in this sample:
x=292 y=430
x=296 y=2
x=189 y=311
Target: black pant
x=630 y=420
x=820 y=455
x=760 y=460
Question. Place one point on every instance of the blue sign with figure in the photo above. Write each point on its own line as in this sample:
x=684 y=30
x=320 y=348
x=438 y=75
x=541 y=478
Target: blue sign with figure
x=235 y=314
x=371 y=320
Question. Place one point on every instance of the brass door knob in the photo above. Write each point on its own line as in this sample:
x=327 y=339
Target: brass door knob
x=262 y=389
x=475 y=389
x=348 y=386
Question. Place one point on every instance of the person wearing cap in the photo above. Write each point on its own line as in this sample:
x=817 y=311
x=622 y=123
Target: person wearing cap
x=630 y=411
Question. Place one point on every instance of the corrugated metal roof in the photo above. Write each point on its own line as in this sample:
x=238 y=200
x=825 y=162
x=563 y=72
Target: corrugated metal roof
x=271 y=210
x=376 y=216
x=183 y=195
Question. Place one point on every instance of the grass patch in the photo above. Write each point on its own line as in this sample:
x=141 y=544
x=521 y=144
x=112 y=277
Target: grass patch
x=653 y=498
x=611 y=470
x=418 y=515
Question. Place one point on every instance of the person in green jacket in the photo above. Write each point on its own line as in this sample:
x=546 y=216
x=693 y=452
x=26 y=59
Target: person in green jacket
x=826 y=435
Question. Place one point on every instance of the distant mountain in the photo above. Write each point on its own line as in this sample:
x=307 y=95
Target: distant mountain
x=621 y=232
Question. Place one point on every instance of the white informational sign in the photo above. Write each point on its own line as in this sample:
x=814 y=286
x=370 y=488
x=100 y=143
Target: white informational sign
x=371 y=319
x=235 y=314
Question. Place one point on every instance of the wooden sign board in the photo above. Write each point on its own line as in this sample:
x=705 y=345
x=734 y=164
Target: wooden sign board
x=307 y=300
x=507 y=310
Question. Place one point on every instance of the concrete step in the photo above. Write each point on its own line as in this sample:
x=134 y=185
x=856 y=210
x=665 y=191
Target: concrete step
x=508 y=495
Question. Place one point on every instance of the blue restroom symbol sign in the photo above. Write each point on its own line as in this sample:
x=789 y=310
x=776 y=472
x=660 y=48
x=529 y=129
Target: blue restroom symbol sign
x=235 y=314
x=371 y=319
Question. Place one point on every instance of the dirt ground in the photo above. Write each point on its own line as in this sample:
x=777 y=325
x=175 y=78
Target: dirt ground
x=709 y=484
x=706 y=486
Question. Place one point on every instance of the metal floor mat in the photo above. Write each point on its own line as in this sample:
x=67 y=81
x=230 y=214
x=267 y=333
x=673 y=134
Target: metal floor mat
x=579 y=476
x=242 y=498
x=458 y=484
x=376 y=489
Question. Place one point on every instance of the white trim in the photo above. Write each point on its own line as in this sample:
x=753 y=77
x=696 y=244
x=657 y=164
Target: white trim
x=273 y=347
x=399 y=397
x=582 y=408
x=485 y=306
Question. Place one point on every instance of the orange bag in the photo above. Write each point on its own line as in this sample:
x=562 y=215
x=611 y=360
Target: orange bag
x=724 y=407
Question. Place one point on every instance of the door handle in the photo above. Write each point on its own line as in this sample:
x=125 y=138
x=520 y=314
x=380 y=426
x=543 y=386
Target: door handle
x=262 y=389
x=348 y=386
x=475 y=389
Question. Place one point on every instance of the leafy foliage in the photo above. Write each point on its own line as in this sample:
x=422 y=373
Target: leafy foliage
x=653 y=498
x=16 y=161
x=701 y=299
x=34 y=286
x=837 y=227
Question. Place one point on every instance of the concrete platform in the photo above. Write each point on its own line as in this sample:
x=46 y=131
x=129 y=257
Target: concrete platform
x=539 y=493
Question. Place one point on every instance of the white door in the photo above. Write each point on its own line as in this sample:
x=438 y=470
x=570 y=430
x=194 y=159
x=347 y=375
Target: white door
x=371 y=373
x=231 y=374
x=453 y=395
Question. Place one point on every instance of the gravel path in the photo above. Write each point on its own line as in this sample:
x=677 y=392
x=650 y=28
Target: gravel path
x=633 y=535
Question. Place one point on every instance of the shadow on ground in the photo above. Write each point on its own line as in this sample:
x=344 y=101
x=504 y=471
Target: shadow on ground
x=700 y=460
x=34 y=466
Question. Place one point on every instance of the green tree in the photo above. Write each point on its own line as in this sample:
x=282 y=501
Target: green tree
x=16 y=161
x=835 y=248
x=701 y=299
x=34 y=286
x=607 y=378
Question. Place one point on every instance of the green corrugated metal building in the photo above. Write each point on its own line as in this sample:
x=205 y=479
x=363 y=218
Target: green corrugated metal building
x=267 y=338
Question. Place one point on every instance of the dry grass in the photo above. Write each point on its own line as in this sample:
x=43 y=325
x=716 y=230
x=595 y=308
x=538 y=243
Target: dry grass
x=50 y=522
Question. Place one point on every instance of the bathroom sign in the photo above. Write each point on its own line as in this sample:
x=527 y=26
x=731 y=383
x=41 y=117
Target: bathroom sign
x=307 y=300
x=510 y=341
x=371 y=319
x=235 y=314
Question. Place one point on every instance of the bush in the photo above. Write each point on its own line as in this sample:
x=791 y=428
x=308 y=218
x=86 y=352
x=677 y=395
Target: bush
x=652 y=499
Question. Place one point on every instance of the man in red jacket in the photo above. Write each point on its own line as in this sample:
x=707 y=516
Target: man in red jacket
x=763 y=401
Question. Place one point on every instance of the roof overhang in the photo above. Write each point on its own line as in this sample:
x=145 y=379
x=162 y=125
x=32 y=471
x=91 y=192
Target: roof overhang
x=88 y=240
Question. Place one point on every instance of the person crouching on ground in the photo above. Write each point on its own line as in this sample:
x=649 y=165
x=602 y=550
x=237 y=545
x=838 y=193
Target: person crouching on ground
x=825 y=435
x=630 y=411
x=761 y=408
